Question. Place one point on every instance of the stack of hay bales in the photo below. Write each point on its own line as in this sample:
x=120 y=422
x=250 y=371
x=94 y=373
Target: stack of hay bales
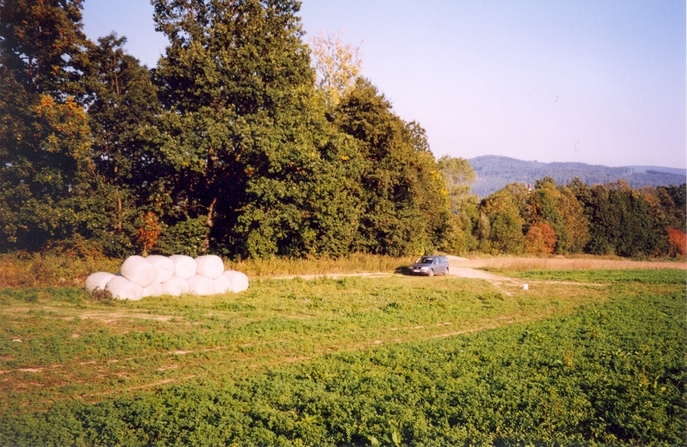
x=155 y=275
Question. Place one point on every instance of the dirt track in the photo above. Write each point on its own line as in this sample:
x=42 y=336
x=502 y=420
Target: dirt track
x=468 y=268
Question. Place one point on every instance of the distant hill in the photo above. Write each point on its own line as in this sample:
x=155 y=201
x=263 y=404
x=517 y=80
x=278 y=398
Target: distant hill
x=494 y=172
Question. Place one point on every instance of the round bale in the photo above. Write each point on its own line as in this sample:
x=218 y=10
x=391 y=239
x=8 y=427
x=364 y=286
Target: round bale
x=155 y=289
x=164 y=266
x=123 y=289
x=201 y=285
x=239 y=281
x=210 y=266
x=222 y=284
x=139 y=271
x=184 y=266
x=174 y=286
x=98 y=281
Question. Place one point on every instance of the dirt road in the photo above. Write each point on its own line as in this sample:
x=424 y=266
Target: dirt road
x=469 y=268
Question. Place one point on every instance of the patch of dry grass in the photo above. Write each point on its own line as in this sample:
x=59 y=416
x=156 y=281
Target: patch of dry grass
x=354 y=263
x=63 y=270
x=23 y=270
x=562 y=263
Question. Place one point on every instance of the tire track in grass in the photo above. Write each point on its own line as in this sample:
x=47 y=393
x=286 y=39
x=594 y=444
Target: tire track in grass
x=271 y=353
x=251 y=362
x=246 y=363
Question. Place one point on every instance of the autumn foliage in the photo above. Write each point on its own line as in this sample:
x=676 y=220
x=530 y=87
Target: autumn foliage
x=678 y=242
x=149 y=232
x=540 y=239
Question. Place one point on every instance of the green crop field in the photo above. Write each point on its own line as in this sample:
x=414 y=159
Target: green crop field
x=579 y=358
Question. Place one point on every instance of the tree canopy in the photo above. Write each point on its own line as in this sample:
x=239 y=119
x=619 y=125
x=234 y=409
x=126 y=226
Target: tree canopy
x=247 y=142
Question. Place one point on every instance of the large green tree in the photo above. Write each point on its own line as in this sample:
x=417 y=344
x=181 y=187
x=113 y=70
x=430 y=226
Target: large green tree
x=404 y=204
x=46 y=171
x=503 y=231
x=621 y=220
x=256 y=167
x=577 y=226
x=604 y=222
x=122 y=109
x=42 y=43
x=635 y=236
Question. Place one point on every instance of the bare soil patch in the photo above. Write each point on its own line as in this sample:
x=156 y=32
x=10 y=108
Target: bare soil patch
x=109 y=317
x=335 y=275
x=465 y=272
x=103 y=316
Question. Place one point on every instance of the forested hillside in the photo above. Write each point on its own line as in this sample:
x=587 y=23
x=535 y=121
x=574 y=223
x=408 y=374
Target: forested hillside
x=495 y=172
x=246 y=142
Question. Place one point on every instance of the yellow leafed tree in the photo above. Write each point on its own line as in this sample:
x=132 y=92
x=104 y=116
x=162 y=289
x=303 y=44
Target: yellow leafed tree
x=337 y=66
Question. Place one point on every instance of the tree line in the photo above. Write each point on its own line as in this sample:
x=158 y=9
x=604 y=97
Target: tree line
x=245 y=141
x=611 y=219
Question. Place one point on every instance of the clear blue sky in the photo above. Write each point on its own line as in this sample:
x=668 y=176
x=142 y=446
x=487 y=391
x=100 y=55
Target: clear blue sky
x=599 y=82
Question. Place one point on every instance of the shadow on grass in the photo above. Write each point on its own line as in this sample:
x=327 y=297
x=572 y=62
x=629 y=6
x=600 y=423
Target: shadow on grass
x=403 y=270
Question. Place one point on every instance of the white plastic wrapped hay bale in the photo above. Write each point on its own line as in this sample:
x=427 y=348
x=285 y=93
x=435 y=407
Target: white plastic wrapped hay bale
x=201 y=285
x=139 y=271
x=174 y=286
x=239 y=281
x=123 y=289
x=222 y=284
x=210 y=266
x=164 y=266
x=98 y=281
x=155 y=289
x=184 y=266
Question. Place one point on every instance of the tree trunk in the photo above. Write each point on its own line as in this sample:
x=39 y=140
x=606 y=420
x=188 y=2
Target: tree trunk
x=119 y=224
x=209 y=222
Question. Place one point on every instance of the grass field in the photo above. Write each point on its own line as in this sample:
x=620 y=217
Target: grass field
x=579 y=357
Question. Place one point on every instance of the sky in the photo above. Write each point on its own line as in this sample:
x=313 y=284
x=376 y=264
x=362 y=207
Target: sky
x=597 y=82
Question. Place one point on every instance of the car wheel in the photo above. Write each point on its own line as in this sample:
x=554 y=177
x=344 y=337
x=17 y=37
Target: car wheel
x=431 y=272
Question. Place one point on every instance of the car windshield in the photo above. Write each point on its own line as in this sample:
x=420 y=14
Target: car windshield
x=425 y=260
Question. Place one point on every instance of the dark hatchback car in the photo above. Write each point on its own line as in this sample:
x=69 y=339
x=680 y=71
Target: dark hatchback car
x=430 y=266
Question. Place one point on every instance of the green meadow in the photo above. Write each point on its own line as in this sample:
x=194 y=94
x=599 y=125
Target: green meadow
x=579 y=358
